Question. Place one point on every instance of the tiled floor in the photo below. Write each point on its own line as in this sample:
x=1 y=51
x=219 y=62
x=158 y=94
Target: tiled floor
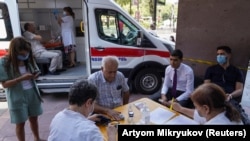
x=52 y=104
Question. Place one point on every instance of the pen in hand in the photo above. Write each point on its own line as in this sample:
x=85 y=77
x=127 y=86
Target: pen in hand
x=171 y=106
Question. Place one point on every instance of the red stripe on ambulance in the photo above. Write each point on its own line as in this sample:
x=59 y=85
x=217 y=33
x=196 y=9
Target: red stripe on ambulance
x=128 y=52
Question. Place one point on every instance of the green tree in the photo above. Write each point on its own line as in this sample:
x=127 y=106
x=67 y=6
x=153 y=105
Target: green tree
x=146 y=8
x=123 y=2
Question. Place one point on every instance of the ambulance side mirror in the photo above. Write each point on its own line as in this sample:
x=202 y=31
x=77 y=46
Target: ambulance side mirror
x=139 y=38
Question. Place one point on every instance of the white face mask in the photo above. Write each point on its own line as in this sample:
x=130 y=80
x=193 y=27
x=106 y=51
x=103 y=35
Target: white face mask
x=64 y=13
x=92 y=109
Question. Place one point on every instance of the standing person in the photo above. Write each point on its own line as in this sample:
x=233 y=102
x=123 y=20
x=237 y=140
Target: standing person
x=39 y=50
x=172 y=38
x=152 y=29
x=211 y=107
x=184 y=82
x=18 y=73
x=112 y=86
x=226 y=75
x=68 y=34
x=72 y=123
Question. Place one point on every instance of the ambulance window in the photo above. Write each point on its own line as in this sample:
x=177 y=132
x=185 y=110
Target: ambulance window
x=6 y=33
x=113 y=27
x=106 y=26
x=127 y=31
x=3 y=33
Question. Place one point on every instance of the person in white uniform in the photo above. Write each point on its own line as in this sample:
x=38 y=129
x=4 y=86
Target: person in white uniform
x=39 y=50
x=73 y=123
x=211 y=107
x=68 y=34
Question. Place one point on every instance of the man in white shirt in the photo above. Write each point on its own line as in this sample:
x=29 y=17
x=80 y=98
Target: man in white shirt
x=184 y=86
x=40 y=51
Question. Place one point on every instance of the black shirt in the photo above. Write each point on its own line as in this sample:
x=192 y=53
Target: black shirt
x=225 y=78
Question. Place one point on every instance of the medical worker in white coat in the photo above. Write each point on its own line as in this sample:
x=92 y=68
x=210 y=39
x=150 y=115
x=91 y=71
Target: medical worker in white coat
x=68 y=34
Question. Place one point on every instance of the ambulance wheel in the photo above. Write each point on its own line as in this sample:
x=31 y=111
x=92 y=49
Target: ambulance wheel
x=148 y=81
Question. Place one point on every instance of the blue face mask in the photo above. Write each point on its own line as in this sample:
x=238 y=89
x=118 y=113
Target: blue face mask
x=23 y=58
x=221 y=59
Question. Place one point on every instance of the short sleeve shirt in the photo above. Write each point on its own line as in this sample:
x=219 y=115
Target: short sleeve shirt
x=110 y=94
x=225 y=78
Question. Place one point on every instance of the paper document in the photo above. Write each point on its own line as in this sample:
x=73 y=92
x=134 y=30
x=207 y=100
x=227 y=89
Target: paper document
x=160 y=115
x=181 y=120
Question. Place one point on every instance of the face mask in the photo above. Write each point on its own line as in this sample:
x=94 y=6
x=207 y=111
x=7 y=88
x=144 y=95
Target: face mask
x=23 y=58
x=221 y=59
x=92 y=110
x=64 y=13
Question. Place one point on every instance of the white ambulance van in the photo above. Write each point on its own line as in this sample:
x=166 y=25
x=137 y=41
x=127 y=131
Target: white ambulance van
x=108 y=30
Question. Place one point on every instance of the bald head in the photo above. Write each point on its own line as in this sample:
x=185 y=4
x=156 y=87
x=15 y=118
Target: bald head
x=109 y=67
x=110 y=60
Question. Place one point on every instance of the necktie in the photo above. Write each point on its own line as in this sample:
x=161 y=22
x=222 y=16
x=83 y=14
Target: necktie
x=174 y=83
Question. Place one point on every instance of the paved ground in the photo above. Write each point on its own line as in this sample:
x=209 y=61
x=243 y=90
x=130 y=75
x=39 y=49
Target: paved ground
x=52 y=104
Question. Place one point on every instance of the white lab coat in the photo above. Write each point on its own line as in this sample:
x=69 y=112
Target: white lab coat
x=68 y=31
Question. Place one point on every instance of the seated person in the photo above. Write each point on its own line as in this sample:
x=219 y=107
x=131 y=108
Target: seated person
x=112 y=86
x=184 y=85
x=229 y=77
x=75 y=123
x=40 y=51
x=211 y=107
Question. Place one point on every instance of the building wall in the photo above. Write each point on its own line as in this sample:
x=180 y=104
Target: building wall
x=205 y=24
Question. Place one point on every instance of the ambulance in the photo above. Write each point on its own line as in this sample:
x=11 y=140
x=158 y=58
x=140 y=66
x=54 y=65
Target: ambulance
x=107 y=29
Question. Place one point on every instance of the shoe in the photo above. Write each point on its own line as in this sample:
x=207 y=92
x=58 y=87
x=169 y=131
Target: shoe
x=71 y=66
x=54 y=73
x=61 y=70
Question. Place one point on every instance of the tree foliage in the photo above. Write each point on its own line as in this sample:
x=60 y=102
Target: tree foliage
x=123 y=2
x=146 y=9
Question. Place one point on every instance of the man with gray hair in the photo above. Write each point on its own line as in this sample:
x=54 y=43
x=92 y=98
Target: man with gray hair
x=112 y=86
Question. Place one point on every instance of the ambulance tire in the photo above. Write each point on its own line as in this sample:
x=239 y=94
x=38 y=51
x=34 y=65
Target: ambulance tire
x=148 y=81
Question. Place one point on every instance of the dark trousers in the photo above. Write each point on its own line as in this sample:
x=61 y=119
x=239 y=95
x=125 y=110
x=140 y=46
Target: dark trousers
x=185 y=103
